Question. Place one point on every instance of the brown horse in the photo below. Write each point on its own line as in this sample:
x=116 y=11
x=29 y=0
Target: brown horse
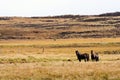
x=94 y=57
x=80 y=56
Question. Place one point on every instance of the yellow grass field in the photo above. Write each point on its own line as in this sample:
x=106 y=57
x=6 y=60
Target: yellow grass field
x=56 y=60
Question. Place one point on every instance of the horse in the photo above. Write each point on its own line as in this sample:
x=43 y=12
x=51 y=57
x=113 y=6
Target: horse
x=94 y=57
x=84 y=56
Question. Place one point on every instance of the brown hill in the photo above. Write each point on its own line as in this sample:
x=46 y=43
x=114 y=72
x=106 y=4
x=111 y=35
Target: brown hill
x=66 y=26
x=111 y=14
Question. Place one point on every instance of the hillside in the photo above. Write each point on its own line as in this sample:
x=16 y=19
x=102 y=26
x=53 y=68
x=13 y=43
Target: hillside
x=55 y=27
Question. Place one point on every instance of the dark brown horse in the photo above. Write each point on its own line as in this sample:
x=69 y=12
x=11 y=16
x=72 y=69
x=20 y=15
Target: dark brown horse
x=94 y=57
x=80 y=56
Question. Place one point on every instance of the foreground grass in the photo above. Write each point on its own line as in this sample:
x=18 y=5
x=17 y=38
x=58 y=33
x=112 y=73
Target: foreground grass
x=56 y=60
x=59 y=67
x=104 y=70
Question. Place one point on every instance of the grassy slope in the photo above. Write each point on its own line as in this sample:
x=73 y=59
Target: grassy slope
x=60 y=27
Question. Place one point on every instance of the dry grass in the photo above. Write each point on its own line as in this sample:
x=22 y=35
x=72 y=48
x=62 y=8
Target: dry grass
x=26 y=60
x=61 y=70
x=65 y=46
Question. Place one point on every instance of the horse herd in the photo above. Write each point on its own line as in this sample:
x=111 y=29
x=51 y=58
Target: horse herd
x=85 y=56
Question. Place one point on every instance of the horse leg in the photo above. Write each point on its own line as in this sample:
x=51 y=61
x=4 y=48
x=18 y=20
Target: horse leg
x=85 y=59
x=97 y=59
x=79 y=60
